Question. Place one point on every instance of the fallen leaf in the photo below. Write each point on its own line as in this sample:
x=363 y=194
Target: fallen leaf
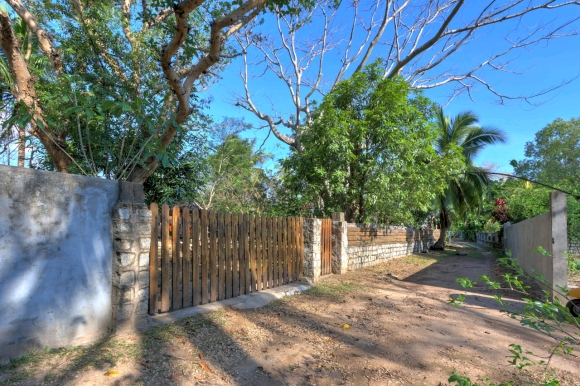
x=200 y=355
x=145 y=364
x=111 y=373
x=346 y=326
x=205 y=366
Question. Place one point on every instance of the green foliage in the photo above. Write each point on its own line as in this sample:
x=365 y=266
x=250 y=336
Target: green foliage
x=491 y=227
x=463 y=192
x=236 y=181
x=369 y=152
x=554 y=155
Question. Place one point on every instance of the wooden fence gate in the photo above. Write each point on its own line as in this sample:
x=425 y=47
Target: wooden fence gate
x=207 y=256
x=326 y=247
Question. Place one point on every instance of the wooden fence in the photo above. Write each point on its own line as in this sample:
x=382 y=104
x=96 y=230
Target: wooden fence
x=326 y=247
x=199 y=256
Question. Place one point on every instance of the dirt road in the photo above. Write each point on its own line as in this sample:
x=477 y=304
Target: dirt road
x=386 y=325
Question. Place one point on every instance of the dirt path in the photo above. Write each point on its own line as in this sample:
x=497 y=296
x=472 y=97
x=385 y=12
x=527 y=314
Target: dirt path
x=401 y=330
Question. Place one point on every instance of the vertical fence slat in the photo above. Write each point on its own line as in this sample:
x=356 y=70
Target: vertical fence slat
x=228 y=251
x=204 y=258
x=259 y=255
x=275 y=252
x=176 y=259
x=221 y=257
x=247 y=255
x=301 y=248
x=263 y=252
x=235 y=256
x=252 y=242
x=280 y=251
x=289 y=250
x=269 y=249
x=186 y=253
x=284 y=250
x=165 y=241
x=153 y=262
x=212 y=256
x=242 y=241
x=195 y=261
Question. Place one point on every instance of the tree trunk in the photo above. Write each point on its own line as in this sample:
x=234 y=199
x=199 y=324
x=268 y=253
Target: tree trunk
x=440 y=243
x=21 y=146
x=445 y=222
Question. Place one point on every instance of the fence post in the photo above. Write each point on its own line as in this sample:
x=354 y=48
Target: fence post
x=339 y=244
x=132 y=238
x=312 y=249
x=559 y=242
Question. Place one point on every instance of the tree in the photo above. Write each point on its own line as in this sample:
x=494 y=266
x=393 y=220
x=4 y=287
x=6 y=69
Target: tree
x=554 y=155
x=423 y=41
x=368 y=152
x=124 y=76
x=235 y=181
x=464 y=191
x=552 y=158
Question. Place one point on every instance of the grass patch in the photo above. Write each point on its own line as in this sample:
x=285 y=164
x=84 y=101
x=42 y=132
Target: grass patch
x=335 y=290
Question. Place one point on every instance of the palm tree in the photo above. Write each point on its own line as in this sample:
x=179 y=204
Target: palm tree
x=465 y=191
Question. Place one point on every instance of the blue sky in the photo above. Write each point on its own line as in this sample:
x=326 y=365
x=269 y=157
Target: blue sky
x=544 y=65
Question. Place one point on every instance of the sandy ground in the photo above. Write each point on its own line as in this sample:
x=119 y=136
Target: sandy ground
x=390 y=324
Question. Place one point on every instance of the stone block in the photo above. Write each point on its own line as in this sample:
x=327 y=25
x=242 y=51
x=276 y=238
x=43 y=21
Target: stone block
x=144 y=259
x=127 y=279
x=143 y=279
x=123 y=213
x=127 y=295
x=143 y=228
x=145 y=243
x=125 y=311
x=126 y=258
x=120 y=227
x=122 y=245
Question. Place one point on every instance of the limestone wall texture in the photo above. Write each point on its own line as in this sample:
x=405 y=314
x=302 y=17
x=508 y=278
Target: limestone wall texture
x=132 y=236
x=368 y=246
x=312 y=252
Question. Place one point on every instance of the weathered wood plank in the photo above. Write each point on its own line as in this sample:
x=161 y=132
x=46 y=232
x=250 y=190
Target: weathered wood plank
x=221 y=257
x=243 y=252
x=274 y=264
x=259 y=255
x=186 y=256
x=165 y=259
x=176 y=300
x=264 y=246
x=195 y=261
x=236 y=256
x=301 y=248
x=247 y=253
x=153 y=262
x=212 y=256
x=252 y=242
x=229 y=253
x=204 y=257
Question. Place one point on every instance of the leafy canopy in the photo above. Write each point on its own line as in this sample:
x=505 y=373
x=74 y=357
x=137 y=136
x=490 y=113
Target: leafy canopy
x=369 y=152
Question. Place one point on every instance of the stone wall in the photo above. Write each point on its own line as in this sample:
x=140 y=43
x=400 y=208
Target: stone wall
x=387 y=243
x=132 y=235
x=312 y=252
x=56 y=257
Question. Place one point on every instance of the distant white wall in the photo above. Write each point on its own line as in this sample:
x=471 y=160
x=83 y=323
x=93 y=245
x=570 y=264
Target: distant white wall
x=56 y=254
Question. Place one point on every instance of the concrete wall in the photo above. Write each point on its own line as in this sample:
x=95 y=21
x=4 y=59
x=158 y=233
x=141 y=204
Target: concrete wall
x=548 y=231
x=56 y=255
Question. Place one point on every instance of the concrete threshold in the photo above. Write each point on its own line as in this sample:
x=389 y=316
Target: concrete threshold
x=253 y=300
